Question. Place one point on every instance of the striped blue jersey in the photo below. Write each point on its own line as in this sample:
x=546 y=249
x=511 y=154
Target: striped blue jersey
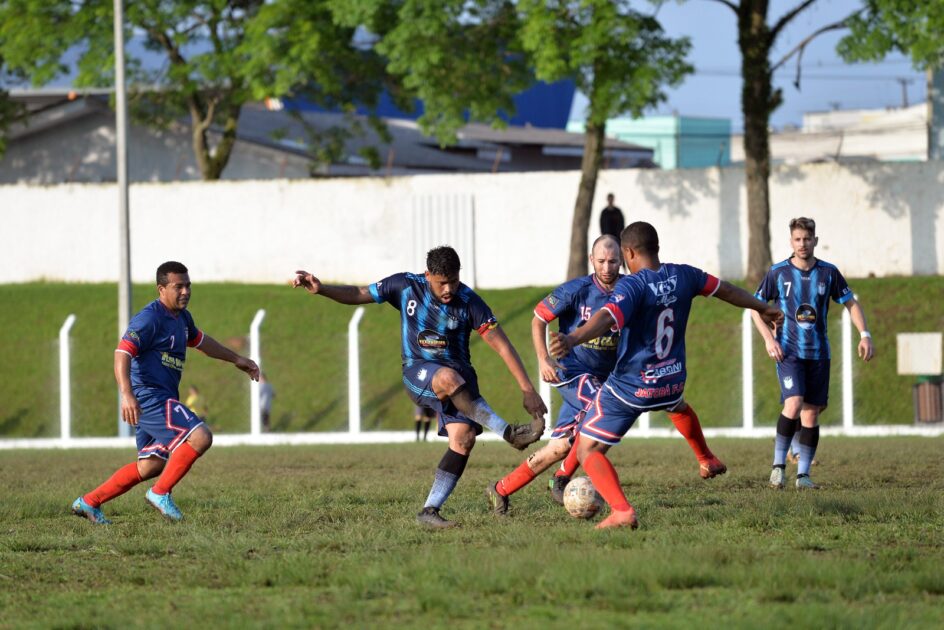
x=653 y=307
x=157 y=340
x=430 y=330
x=804 y=296
x=573 y=303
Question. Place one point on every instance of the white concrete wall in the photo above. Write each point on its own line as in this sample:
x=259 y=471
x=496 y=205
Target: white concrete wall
x=883 y=219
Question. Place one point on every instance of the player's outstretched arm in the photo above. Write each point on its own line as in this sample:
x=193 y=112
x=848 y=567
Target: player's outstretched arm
x=546 y=364
x=344 y=294
x=866 y=347
x=130 y=409
x=737 y=296
x=215 y=350
x=598 y=324
x=499 y=342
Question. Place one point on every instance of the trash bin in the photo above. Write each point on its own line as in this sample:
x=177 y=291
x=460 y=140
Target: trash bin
x=929 y=400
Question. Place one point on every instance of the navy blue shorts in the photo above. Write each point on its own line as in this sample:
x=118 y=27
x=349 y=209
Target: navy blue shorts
x=808 y=378
x=613 y=412
x=418 y=380
x=164 y=424
x=577 y=395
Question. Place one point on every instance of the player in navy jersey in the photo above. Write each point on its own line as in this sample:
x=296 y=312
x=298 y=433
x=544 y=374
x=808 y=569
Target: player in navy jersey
x=437 y=315
x=650 y=308
x=149 y=362
x=801 y=287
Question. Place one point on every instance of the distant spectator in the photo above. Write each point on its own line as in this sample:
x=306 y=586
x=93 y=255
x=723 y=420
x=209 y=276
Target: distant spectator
x=611 y=219
x=423 y=416
x=196 y=402
x=266 y=394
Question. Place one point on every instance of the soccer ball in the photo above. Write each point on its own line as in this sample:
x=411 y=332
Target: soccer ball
x=581 y=499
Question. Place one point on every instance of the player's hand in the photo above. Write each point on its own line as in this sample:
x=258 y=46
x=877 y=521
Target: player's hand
x=866 y=349
x=534 y=405
x=774 y=351
x=307 y=281
x=249 y=367
x=773 y=317
x=548 y=367
x=130 y=409
x=560 y=345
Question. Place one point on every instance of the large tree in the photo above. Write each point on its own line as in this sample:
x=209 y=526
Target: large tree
x=619 y=58
x=759 y=99
x=217 y=55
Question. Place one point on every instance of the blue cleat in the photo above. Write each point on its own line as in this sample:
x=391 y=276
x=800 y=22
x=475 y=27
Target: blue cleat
x=83 y=509
x=164 y=504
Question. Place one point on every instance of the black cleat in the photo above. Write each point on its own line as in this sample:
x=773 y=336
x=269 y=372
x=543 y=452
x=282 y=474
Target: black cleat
x=557 y=485
x=430 y=517
x=521 y=436
x=497 y=502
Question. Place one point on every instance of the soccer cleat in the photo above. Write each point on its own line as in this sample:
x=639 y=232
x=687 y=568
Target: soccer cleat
x=521 y=436
x=497 y=502
x=164 y=504
x=557 y=485
x=430 y=518
x=620 y=519
x=711 y=467
x=776 y=477
x=804 y=482
x=83 y=509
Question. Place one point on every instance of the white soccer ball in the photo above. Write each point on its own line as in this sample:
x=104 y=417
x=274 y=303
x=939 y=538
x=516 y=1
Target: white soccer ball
x=581 y=499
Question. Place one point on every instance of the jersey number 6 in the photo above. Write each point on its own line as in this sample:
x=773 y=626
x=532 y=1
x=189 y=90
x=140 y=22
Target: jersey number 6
x=665 y=334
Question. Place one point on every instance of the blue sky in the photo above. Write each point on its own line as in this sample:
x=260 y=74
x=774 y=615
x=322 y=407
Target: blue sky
x=826 y=81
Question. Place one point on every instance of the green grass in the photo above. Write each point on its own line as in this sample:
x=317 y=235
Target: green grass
x=325 y=537
x=304 y=352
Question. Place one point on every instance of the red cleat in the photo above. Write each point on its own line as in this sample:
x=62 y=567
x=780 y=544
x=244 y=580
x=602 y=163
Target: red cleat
x=620 y=519
x=711 y=467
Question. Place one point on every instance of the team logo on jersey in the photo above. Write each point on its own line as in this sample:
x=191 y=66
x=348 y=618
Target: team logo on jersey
x=452 y=322
x=133 y=336
x=618 y=297
x=421 y=375
x=788 y=382
x=821 y=288
x=552 y=300
x=431 y=340
x=805 y=316
x=664 y=289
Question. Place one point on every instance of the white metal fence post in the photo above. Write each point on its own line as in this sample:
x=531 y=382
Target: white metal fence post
x=65 y=379
x=354 y=372
x=255 y=414
x=847 y=342
x=747 y=371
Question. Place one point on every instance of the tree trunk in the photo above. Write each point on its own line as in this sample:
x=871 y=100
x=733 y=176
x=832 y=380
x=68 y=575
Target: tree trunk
x=758 y=100
x=589 y=169
x=211 y=162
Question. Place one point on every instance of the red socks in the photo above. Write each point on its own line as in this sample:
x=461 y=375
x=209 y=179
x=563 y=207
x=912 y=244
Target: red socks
x=123 y=480
x=570 y=464
x=177 y=466
x=515 y=480
x=606 y=481
x=688 y=425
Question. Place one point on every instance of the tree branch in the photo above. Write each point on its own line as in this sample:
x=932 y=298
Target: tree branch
x=728 y=4
x=798 y=49
x=788 y=17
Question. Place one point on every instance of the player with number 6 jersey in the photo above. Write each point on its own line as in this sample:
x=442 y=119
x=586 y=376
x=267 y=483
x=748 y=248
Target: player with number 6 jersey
x=651 y=308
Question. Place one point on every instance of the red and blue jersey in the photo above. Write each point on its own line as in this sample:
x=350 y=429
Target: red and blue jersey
x=652 y=308
x=804 y=296
x=429 y=329
x=157 y=340
x=573 y=303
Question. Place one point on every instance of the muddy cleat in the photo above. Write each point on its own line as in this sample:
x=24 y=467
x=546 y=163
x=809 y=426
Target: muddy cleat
x=430 y=517
x=164 y=504
x=83 y=509
x=804 y=482
x=557 y=485
x=497 y=502
x=521 y=436
x=776 y=477
x=620 y=519
x=711 y=467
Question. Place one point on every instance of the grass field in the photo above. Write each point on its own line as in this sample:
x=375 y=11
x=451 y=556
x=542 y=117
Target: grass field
x=304 y=352
x=325 y=537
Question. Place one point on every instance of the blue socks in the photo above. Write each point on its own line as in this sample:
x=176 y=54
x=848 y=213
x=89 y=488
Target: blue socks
x=484 y=415
x=447 y=476
x=786 y=428
x=809 y=440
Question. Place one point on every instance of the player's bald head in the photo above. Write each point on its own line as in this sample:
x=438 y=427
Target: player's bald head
x=640 y=237
x=605 y=242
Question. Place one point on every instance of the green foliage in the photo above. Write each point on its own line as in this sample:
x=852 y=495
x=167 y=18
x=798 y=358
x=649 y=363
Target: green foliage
x=915 y=29
x=324 y=537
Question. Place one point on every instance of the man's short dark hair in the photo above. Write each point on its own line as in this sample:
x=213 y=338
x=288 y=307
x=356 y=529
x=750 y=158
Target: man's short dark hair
x=171 y=266
x=803 y=223
x=641 y=237
x=442 y=261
